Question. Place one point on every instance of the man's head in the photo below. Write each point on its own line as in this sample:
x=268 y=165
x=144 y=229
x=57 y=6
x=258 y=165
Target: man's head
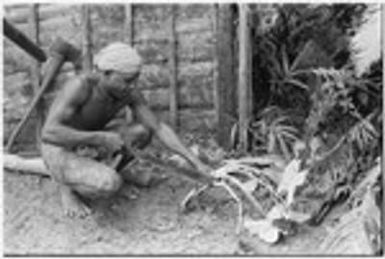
x=121 y=65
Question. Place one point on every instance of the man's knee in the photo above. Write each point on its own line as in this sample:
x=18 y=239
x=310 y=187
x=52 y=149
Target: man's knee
x=97 y=182
x=109 y=184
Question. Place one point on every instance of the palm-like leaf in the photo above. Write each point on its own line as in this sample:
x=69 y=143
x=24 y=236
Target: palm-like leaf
x=276 y=131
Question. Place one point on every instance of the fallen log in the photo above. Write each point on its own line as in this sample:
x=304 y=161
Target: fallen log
x=37 y=166
x=30 y=165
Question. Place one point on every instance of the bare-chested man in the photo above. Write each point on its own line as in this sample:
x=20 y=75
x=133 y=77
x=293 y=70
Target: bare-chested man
x=83 y=117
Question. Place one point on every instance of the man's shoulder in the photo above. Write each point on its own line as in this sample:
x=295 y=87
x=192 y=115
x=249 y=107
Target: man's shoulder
x=81 y=81
x=77 y=87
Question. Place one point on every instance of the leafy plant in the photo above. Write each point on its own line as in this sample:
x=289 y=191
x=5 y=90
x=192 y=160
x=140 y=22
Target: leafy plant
x=274 y=132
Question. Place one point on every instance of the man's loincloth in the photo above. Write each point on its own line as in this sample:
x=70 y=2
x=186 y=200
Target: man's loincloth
x=58 y=158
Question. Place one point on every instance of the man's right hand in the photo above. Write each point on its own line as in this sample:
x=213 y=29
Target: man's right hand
x=112 y=142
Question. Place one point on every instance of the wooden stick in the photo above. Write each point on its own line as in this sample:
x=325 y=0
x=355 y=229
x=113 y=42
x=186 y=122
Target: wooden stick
x=128 y=27
x=226 y=55
x=23 y=41
x=21 y=16
x=87 y=38
x=35 y=70
x=215 y=61
x=173 y=69
x=244 y=76
x=187 y=173
x=128 y=36
x=30 y=165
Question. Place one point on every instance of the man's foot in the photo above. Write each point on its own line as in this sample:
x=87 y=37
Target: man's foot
x=72 y=206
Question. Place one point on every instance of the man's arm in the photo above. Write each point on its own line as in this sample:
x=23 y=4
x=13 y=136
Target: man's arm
x=58 y=130
x=165 y=134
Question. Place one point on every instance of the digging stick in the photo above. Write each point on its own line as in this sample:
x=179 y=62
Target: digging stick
x=188 y=173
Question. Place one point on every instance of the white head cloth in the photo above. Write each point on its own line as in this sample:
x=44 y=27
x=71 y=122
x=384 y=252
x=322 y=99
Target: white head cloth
x=119 y=57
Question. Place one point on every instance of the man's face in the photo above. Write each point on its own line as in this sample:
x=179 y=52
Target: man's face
x=119 y=83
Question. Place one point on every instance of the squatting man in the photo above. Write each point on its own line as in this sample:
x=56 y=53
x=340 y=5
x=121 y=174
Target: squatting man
x=85 y=116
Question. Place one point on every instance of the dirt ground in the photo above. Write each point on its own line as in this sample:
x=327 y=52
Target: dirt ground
x=138 y=221
x=148 y=224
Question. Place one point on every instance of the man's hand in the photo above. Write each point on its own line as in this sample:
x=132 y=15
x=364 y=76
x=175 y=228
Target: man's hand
x=203 y=168
x=112 y=142
x=206 y=171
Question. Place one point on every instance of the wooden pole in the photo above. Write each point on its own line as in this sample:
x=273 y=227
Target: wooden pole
x=215 y=69
x=226 y=81
x=383 y=105
x=87 y=38
x=128 y=36
x=128 y=26
x=23 y=41
x=173 y=68
x=35 y=70
x=244 y=76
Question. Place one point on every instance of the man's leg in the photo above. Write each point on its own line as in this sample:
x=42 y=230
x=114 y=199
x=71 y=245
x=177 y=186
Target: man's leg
x=78 y=175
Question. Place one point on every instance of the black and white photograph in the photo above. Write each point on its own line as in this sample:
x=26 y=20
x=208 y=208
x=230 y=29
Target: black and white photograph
x=192 y=129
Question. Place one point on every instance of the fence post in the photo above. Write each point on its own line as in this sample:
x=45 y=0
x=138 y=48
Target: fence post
x=35 y=67
x=128 y=26
x=173 y=93
x=382 y=19
x=225 y=36
x=86 y=38
x=215 y=65
x=244 y=76
x=128 y=36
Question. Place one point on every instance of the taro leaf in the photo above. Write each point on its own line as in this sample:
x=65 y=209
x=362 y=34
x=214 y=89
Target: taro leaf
x=250 y=185
x=298 y=217
x=280 y=212
x=264 y=229
x=291 y=179
x=277 y=212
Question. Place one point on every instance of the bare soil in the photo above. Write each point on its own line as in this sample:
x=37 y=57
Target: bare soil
x=148 y=224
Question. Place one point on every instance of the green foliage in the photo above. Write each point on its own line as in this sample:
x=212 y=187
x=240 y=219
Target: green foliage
x=302 y=66
x=304 y=37
x=274 y=132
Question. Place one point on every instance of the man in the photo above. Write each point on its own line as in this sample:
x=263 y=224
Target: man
x=78 y=137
